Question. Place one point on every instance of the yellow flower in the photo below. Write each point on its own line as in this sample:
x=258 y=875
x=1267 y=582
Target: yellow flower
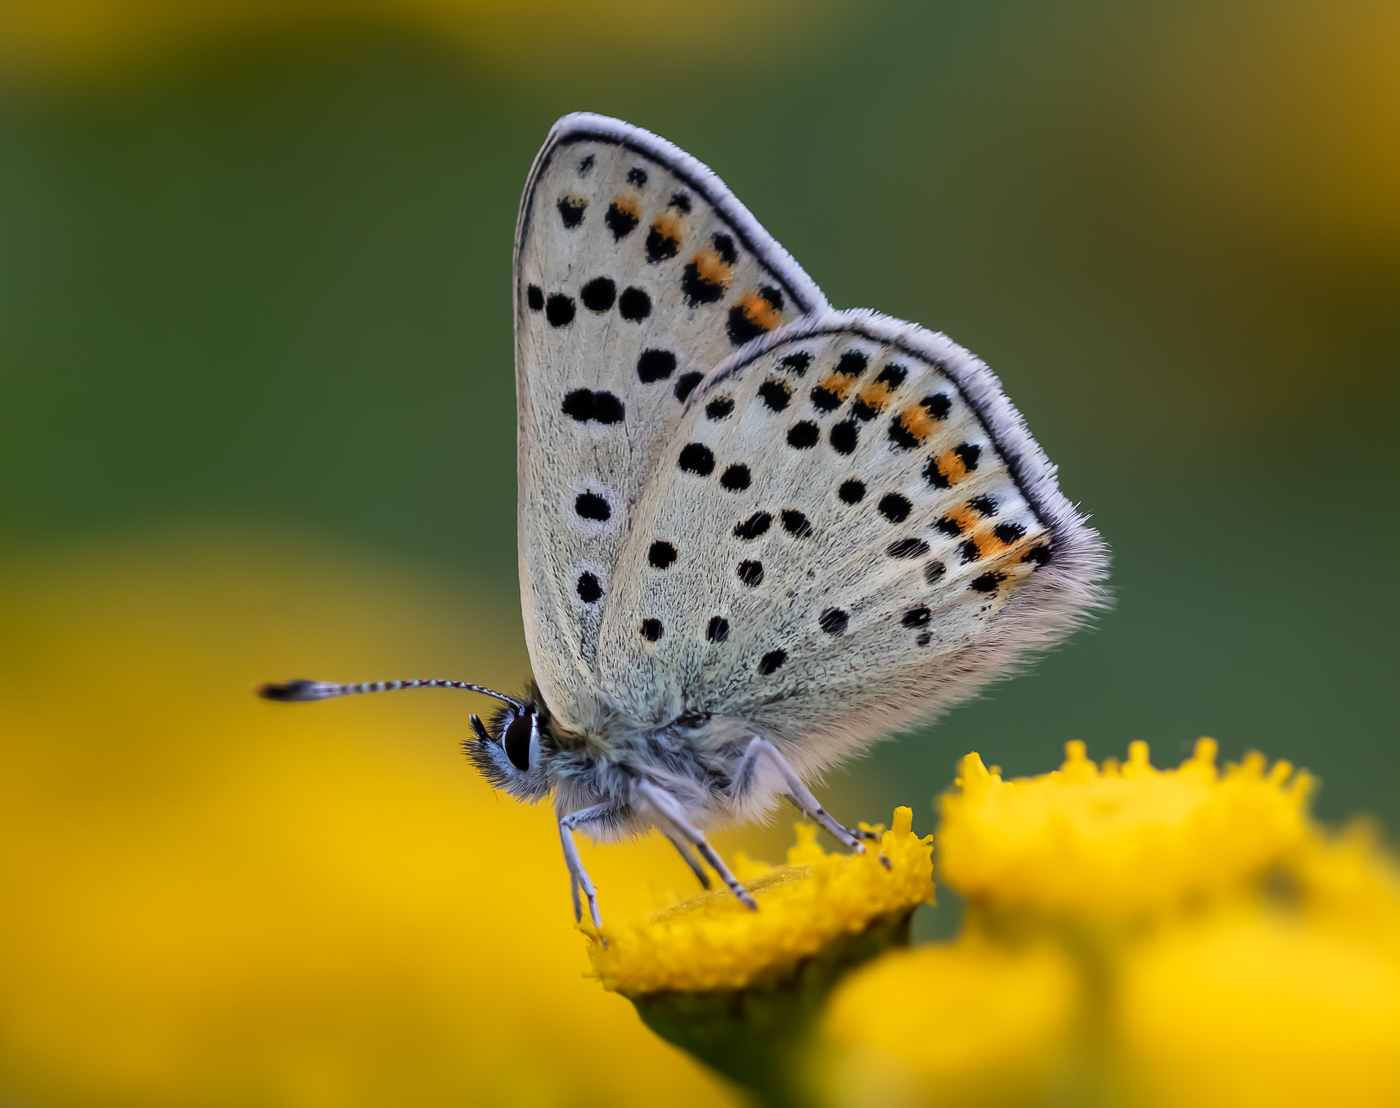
x=213 y=900
x=1118 y=842
x=1278 y=1001
x=969 y=1023
x=712 y=942
x=1257 y=1005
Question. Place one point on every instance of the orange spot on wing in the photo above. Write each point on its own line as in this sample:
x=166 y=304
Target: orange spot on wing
x=667 y=226
x=877 y=395
x=951 y=466
x=965 y=518
x=916 y=421
x=838 y=384
x=710 y=267
x=627 y=205
x=759 y=311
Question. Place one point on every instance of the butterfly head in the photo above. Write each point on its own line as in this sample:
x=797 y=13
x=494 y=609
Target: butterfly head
x=512 y=751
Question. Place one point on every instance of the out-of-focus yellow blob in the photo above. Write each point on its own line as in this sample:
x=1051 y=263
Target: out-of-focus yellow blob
x=77 y=37
x=972 y=1023
x=214 y=900
x=1259 y=1007
x=1119 y=842
x=713 y=942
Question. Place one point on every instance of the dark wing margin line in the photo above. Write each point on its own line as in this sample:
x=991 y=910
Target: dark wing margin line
x=585 y=127
x=1031 y=471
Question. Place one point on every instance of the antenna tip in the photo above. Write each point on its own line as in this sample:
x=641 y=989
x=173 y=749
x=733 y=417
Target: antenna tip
x=291 y=691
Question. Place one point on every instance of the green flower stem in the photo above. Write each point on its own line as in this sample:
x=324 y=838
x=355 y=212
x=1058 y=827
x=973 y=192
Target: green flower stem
x=753 y=1036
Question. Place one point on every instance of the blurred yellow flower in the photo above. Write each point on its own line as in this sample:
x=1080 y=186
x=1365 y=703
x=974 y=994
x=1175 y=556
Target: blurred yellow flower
x=1254 y=1005
x=712 y=942
x=212 y=900
x=970 y=1023
x=1118 y=842
x=1274 y=1000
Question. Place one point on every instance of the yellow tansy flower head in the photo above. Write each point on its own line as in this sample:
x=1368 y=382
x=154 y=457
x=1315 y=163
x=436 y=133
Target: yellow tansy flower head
x=971 y=1023
x=1260 y=1005
x=1118 y=841
x=712 y=942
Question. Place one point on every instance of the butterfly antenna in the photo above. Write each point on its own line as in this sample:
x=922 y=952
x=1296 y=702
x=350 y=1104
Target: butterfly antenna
x=294 y=691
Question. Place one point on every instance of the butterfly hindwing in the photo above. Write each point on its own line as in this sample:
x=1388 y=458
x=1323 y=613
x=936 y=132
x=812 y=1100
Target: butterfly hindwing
x=636 y=272
x=849 y=529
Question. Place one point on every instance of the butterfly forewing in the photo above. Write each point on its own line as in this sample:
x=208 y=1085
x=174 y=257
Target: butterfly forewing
x=846 y=531
x=636 y=272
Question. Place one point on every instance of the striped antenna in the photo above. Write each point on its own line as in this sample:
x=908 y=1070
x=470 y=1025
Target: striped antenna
x=325 y=690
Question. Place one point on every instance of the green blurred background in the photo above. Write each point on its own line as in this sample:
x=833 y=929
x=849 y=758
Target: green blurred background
x=256 y=284
x=263 y=279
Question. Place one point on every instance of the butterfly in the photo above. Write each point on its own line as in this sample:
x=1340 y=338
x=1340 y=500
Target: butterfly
x=756 y=534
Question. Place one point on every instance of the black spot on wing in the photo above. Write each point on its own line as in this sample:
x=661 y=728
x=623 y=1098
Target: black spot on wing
x=685 y=385
x=559 y=310
x=697 y=458
x=895 y=508
x=589 y=590
x=718 y=629
x=833 y=621
x=600 y=406
x=719 y=408
x=1008 y=532
x=775 y=394
x=589 y=505
x=571 y=211
x=743 y=327
x=661 y=554
x=984 y=506
x=750 y=573
x=655 y=365
x=598 y=295
x=637 y=176
x=907 y=548
x=534 y=296
x=634 y=304
x=680 y=201
x=772 y=662
x=988 y=582
x=797 y=363
x=652 y=629
x=852 y=491
x=620 y=221
x=753 y=527
x=795 y=523
x=736 y=478
x=844 y=436
x=934 y=571
x=697 y=288
x=917 y=617
x=804 y=435
x=969 y=454
x=661 y=245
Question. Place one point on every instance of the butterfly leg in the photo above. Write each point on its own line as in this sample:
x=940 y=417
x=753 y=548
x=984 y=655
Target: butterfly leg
x=798 y=793
x=578 y=876
x=672 y=812
x=690 y=859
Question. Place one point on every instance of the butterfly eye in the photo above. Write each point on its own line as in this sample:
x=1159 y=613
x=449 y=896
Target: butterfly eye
x=516 y=740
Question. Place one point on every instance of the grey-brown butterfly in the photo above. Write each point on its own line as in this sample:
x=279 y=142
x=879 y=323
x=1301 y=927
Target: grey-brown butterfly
x=756 y=534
